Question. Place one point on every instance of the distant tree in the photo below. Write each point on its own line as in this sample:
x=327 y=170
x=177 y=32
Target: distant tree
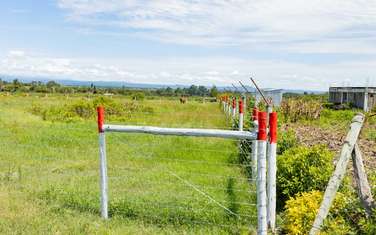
x=16 y=84
x=193 y=90
x=203 y=91
x=213 y=91
x=169 y=91
x=51 y=84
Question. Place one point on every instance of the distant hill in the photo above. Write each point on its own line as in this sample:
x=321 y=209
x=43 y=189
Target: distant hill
x=115 y=84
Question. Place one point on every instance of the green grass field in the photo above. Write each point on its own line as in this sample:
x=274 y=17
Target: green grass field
x=50 y=178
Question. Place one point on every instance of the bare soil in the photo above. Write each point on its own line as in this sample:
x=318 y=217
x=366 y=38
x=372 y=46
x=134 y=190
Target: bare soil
x=334 y=139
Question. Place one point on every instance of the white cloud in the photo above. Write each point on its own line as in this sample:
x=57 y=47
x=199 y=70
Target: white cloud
x=207 y=71
x=233 y=22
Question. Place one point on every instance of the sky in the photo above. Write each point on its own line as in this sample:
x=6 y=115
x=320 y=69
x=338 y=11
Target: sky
x=292 y=44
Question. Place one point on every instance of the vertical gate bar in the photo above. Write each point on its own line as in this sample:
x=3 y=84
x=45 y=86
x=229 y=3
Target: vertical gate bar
x=233 y=108
x=103 y=164
x=261 y=176
x=254 y=144
x=272 y=170
x=241 y=115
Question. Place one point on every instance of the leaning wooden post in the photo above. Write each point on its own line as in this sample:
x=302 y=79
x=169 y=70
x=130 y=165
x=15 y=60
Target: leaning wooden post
x=254 y=143
x=241 y=115
x=261 y=175
x=339 y=172
x=363 y=188
x=272 y=170
x=103 y=164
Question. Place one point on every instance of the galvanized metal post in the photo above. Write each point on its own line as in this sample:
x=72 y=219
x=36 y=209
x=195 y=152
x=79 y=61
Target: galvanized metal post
x=241 y=115
x=229 y=106
x=233 y=108
x=272 y=170
x=261 y=176
x=103 y=164
x=254 y=144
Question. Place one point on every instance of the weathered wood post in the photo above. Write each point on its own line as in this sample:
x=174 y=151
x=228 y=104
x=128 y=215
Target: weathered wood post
x=254 y=143
x=272 y=170
x=363 y=188
x=339 y=172
x=261 y=175
x=241 y=115
x=103 y=164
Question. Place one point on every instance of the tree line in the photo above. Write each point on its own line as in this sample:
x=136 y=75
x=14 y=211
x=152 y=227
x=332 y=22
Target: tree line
x=54 y=87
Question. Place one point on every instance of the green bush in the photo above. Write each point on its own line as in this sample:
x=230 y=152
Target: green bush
x=287 y=140
x=86 y=109
x=302 y=169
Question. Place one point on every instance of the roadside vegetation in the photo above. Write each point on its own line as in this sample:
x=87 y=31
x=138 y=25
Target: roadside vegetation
x=49 y=164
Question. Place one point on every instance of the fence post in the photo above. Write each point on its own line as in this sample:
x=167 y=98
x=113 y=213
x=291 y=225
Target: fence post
x=339 y=172
x=224 y=104
x=261 y=176
x=254 y=144
x=272 y=169
x=241 y=115
x=233 y=108
x=103 y=164
x=229 y=107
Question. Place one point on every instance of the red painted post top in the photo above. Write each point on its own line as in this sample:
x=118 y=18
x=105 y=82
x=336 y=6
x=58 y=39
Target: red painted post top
x=241 y=107
x=233 y=103
x=100 y=111
x=255 y=113
x=273 y=127
x=262 y=132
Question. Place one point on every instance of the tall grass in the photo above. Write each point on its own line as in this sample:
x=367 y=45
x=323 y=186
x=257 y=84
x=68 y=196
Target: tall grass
x=49 y=172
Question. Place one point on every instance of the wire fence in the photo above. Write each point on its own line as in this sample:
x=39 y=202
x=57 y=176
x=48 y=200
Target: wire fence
x=182 y=181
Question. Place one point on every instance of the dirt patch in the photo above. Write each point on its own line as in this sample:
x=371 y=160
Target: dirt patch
x=334 y=139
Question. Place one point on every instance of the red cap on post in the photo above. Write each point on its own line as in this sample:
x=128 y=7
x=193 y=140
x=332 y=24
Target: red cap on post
x=241 y=106
x=255 y=114
x=262 y=133
x=100 y=111
x=273 y=127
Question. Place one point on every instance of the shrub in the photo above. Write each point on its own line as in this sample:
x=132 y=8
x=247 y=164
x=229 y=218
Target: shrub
x=86 y=109
x=302 y=169
x=286 y=141
x=296 y=109
x=301 y=212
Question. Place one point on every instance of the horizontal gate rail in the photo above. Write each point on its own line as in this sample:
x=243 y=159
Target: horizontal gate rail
x=182 y=131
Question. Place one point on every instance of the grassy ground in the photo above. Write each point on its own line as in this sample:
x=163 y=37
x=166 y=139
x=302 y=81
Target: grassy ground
x=49 y=173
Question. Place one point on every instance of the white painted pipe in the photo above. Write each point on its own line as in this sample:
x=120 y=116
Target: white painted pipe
x=254 y=143
x=254 y=153
x=102 y=164
x=261 y=176
x=229 y=134
x=103 y=174
x=272 y=170
x=241 y=115
x=234 y=108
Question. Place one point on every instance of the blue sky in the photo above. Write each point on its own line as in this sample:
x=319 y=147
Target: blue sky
x=283 y=44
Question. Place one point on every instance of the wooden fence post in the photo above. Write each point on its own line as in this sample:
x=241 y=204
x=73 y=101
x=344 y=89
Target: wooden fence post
x=339 y=172
x=363 y=188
